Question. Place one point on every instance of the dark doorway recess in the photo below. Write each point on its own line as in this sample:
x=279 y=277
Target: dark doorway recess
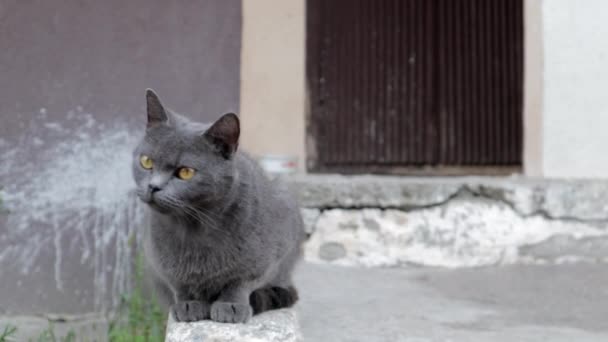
x=415 y=86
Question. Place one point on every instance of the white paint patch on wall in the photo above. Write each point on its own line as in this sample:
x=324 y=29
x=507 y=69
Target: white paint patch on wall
x=462 y=233
x=576 y=92
x=69 y=190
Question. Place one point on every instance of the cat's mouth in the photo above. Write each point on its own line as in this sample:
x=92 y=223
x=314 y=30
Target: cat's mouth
x=153 y=201
x=159 y=207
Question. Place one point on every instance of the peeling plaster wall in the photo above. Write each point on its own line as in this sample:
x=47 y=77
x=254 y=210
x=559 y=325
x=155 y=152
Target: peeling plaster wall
x=464 y=232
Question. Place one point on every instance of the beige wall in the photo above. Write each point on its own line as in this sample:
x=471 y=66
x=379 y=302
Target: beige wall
x=273 y=78
x=533 y=88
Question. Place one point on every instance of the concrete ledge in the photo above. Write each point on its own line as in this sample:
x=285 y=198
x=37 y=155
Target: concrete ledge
x=556 y=198
x=83 y=326
x=452 y=222
x=273 y=326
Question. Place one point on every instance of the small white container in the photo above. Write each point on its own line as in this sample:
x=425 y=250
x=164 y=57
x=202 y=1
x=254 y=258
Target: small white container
x=279 y=164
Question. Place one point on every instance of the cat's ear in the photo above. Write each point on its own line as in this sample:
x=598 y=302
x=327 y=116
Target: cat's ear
x=156 y=112
x=224 y=134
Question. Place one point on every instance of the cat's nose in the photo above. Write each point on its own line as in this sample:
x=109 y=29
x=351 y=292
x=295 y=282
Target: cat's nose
x=153 y=188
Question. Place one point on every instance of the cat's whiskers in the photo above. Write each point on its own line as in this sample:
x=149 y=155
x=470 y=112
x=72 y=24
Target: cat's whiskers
x=206 y=220
x=197 y=215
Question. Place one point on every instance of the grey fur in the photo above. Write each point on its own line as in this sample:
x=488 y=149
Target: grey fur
x=215 y=239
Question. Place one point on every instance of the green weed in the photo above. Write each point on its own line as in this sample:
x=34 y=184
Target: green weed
x=1 y=210
x=48 y=335
x=140 y=317
x=8 y=333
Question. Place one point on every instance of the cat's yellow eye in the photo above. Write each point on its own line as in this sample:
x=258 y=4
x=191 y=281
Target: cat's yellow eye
x=186 y=173
x=146 y=162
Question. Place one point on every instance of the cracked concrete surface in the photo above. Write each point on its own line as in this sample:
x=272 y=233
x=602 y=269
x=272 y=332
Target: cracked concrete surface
x=464 y=232
x=453 y=222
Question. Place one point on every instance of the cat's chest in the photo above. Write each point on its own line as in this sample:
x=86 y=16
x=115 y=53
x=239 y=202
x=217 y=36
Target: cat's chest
x=183 y=260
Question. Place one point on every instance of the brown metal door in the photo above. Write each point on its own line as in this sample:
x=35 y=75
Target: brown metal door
x=396 y=85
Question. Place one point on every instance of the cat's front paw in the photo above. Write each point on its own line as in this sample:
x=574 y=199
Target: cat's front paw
x=190 y=311
x=225 y=312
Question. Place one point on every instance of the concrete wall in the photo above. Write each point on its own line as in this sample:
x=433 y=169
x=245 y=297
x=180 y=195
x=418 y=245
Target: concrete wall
x=575 y=114
x=273 y=78
x=72 y=81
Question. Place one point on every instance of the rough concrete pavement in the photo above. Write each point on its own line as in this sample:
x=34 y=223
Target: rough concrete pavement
x=511 y=303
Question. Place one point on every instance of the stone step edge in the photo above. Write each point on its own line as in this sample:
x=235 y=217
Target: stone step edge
x=273 y=326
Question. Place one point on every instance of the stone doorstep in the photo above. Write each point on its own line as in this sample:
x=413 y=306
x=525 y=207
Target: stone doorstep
x=452 y=222
x=558 y=199
x=273 y=326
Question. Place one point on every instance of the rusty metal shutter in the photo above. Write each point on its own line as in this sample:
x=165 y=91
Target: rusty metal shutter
x=410 y=83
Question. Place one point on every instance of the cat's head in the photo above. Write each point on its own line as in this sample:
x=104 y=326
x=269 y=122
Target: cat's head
x=180 y=164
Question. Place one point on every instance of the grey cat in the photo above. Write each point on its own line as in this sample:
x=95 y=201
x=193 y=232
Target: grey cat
x=223 y=239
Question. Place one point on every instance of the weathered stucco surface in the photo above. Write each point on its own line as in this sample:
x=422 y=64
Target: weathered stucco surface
x=556 y=199
x=273 y=326
x=453 y=222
